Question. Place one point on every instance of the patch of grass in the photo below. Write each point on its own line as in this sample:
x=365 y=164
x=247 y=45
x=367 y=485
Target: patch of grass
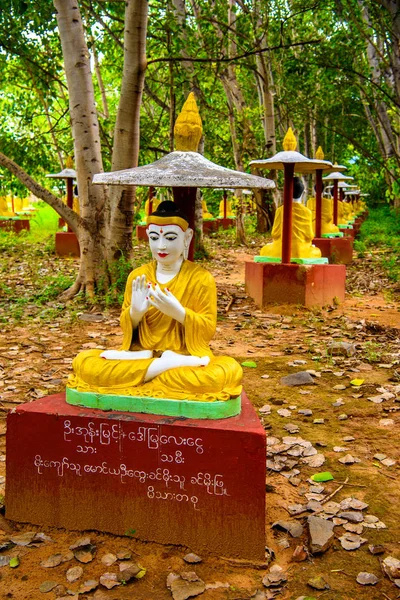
x=382 y=231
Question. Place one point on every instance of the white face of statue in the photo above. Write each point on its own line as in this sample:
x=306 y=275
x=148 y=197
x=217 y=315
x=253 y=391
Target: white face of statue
x=168 y=242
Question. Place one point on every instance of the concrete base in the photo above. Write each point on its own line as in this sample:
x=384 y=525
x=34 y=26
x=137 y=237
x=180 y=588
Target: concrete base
x=141 y=232
x=339 y=251
x=309 y=285
x=200 y=484
x=67 y=244
x=15 y=225
x=226 y=223
x=210 y=226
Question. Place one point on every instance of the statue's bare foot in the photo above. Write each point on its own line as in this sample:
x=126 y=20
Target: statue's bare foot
x=175 y=360
x=126 y=355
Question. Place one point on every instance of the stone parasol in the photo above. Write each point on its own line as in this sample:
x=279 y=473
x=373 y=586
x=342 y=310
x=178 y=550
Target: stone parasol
x=69 y=174
x=185 y=169
x=336 y=176
x=291 y=162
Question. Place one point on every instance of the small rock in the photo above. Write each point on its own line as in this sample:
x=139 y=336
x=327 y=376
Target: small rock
x=74 y=573
x=109 y=580
x=301 y=378
x=339 y=387
x=341 y=349
x=275 y=577
x=314 y=461
x=386 y=422
x=321 y=534
x=338 y=403
x=300 y=553
x=291 y=428
x=351 y=541
x=388 y=462
x=332 y=508
x=319 y=421
x=352 y=515
x=192 y=558
x=391 y=567
x=124 y=554
x=354 y=528
x=349 y=438
x=339 y=449
x=265 y=410
x=365 y=578
x=293 y=527
x=380 y=456
x=343 y=417
x=349 y=460
x=47 y=586
x=318 y=583
x=109 y=559
x=88 y=586
x=370 y=519
x=52 y=561
x=296 y=509
x=353 y=503
x=185 y=585
x=306 y=412
x=379 y=549
x=284 y=412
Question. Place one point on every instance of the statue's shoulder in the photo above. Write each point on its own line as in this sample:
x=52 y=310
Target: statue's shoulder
x=193 y=270
x=147 y=269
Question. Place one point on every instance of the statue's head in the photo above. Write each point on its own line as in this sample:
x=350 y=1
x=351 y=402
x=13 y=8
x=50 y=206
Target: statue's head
x=298 y=189
x=169 y=233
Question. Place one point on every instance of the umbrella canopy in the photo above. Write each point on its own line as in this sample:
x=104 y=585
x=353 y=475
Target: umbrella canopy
x=64 y=174
x=289 y=155
x=336 y=175
x=335 y=167
x=343 y=184
x=184 y=169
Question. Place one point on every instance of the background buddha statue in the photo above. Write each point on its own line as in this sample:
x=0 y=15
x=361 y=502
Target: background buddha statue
x=327 y=225
x=229 y=213
x=168 y=318
x=302 y=230
x=206 y=213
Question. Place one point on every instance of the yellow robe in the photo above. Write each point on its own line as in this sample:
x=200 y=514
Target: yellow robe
x=229 y=213
x=344 y=213
x=4 y=210
x=302 y=234
x=206 y=214
x=327 y=225
x=219 y=380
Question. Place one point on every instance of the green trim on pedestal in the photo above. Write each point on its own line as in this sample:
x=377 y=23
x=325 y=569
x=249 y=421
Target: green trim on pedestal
x=297 y=261
x=210 y=219
x=339 y=234
x=345 y=226
x=191 y=409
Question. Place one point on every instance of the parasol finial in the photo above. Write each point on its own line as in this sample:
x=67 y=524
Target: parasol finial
x=188 y=127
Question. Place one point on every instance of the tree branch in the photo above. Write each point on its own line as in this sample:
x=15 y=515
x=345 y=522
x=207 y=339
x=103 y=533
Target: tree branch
x=233 y=58
x=72 y=218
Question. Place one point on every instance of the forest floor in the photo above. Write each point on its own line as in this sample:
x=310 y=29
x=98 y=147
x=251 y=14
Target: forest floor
x=38 y=341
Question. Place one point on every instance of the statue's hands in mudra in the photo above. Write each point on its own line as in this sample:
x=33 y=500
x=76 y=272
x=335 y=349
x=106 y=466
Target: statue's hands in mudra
x=140 y=301
x=166 y=302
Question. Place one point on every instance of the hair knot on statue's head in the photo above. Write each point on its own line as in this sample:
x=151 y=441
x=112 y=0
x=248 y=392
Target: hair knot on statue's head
x=168 y=213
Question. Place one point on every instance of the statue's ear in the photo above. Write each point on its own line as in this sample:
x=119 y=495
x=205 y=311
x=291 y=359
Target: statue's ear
x=188 y=236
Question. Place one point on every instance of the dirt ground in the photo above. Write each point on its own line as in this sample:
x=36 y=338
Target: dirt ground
x=35 y=359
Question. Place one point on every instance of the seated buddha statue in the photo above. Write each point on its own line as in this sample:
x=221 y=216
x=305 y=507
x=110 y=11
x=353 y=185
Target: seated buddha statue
x=302 y=230
x=4 y=209
x=168 y=318
x=154 y=203
x=229 y=213
x=206 y=214
x=327 y=225
x=344 y=214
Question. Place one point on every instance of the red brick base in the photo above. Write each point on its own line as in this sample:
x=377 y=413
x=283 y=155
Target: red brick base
x=67 y=244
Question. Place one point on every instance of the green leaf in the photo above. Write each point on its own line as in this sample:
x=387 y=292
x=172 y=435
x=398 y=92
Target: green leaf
x=14 y=562
x=324 y=476
x=249 y=363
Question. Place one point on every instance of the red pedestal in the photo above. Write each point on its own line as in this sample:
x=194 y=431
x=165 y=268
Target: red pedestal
x=199 y=484
x=338 y=250
x=67 y=244
x=225 y=223
x=15 y=225
x=141 y=232
x=348 y=233
x=210 y=227
x=309 y=285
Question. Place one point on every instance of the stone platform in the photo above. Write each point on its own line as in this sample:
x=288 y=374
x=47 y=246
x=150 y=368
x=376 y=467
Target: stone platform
x=67 y=244
x=210 y=226
x=226 y=223
x=14 y=224
x=339 y=251
x=308 y=285
x=200 y=484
